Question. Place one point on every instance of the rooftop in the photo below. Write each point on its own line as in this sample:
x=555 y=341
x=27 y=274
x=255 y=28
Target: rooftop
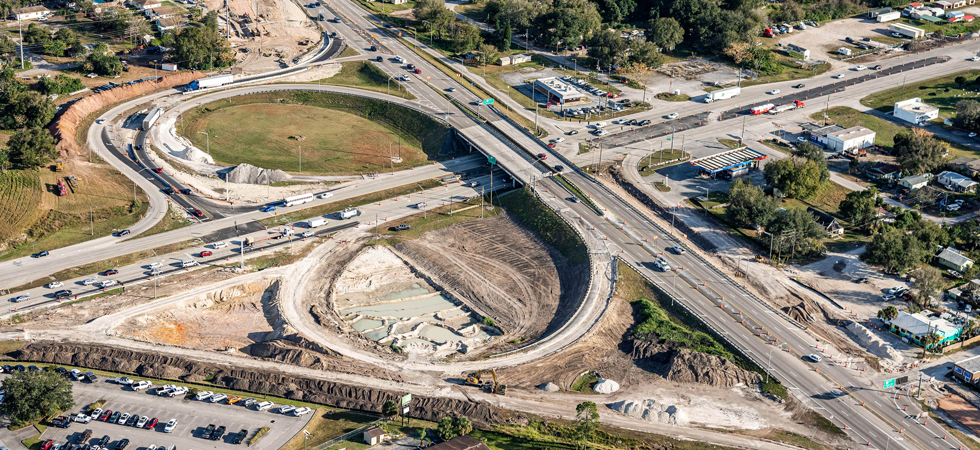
x=729 y=159
x=921 y=325
x=916 y=106
x=916 y=179
x=950 y=254
x=821 y=130
x=851 y=133
x=971 y=364
x=558 y=87
x=30 y=9
x=374 y=432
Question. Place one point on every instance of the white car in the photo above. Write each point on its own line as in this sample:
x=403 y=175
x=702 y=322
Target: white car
x=302 y=411
x=82 y=418
x=600 y=124
x=142 y=385
x=325 y=195
x=286 y=408
x=975 y=58
x=142 y=422
x=264 y=406
x=673 y=115
x=217 y=398
x=219 y=244
x=405 y=78
x=420 y=205
x=307 y=234
x=774 y=92
x=96 y=413
x=813 y=357
x=203 y=395
x=973 y=134
x=801 y=139
x=170 y=426
x=861 y=68
x=107 y=283
x=601 y=133
x=89 y=281
x=839 y=76
x=123 y=418
x=159 y=264
x=21 y=298
x=125 y=381
x=559 y=139
x=100 y=121
x=55 y=284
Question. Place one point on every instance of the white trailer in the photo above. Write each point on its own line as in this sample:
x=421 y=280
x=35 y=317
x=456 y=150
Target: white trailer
x=888 y=17
x=153 y=115
x=316 y=222
x=907 y=31
x=210 y=82
x=781 y=108
x=298 y=199
x=722 y=94
x=349 y=212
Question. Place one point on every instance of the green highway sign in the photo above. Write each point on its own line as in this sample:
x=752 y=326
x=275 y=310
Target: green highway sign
x=488 y=101
x=491 y=160
x=888 y=383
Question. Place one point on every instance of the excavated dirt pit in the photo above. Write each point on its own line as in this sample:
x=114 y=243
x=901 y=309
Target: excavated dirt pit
x=231 y=318
x=380 y=296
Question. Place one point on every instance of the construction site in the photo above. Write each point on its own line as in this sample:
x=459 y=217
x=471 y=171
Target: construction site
x=265 y=34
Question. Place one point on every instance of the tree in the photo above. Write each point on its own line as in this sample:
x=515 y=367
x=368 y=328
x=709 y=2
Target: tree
x=587 y=416
x=104 y=62
x=888 y=313
x=796 y=231
x=31 y=148
x=665 y=32
x=859 y=207
x=968 y=115
x=505 y=36
x=7 y=45
x=810 y=151
x=389 y=409
x=795 y=177
x=34 y=394
x=749 y=205
x=453 y=427
x=27 y=109
x=893 y=250
x=201 y=48
x=520 y=14
x=929 y=282
x=960 y=81
x=917 y=151
x=488 y=53
x=463 y=425
x=608 y=49
x=569 y=22
x=464 y=37
x=645 y=53
x=928 y=341
x=434 y=15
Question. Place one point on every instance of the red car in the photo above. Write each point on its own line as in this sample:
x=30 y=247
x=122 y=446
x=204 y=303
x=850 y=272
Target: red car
x=551 y=144
x=47 y=444
x=198 y=213
x=153 y=422
x=206 y=253
x=542 y=156
x=158 y=169
x=110 y=272
x=418 y=70
x=105 y=415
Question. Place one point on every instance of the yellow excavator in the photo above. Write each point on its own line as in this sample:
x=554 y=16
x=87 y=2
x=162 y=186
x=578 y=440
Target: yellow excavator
x=490 y=385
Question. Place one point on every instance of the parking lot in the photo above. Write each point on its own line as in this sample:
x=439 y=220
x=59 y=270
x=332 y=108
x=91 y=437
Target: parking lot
x=192 y=419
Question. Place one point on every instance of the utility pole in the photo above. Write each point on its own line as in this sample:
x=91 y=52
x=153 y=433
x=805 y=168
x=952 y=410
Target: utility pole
x=21 y=32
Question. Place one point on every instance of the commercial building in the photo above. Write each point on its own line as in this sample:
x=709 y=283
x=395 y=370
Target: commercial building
x=944 y=4
x=797 y=49
x=914 y=111
x=729 y=164
x=956 y=182
x=915 y=182
x=556 y=91
x=515 y=59
x=907 y=30
x=818 y=133
x=968 y=370
x=888 y=17
x=31 y=13
x=913 y=327
x=953 y=259
x=850 y=140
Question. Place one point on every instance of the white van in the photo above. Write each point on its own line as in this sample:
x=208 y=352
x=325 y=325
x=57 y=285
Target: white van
x=188 y=263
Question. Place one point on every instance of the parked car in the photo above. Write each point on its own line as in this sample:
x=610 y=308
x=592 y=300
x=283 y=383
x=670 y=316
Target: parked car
x=123 y=418
x=264 y=406
x=218 y=433
x=141 y=385
x=82 y=418
x=61 y=422
x=122 y=444
x=286 y=408
x=132 y=420
x=125 y=381
x=203 y=395
x=239 y=437
x=302 y=411
x=217 y=398
x=169 y=428
x=208 y=431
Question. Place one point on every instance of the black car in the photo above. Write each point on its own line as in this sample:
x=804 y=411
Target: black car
x=132 y=420
x=168 y=191
x=218 y=433
x=122 y=444
x=60 y=369
x=33 y=368
x=799 y=86
x=122 y=233
x=104 y=441
x=20 y=368
x=8 y=368
x=40 y=254
x=64 y=293
x=239 y=437
x=208 y=431
x=61 y=422
x=91 y=377
x=86 y=435
x=185 y=191
x=113 y=419
x=403 y=227
x=381 y=58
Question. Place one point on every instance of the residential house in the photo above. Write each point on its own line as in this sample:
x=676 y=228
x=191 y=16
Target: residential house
x=828 y=222
x=851 y=139
x=31 y=13
x=966 y=165
x=956 y=182
x=515 y=59
x=915 y=182
x=914 y=111
x=968 y=370
x=374 y=436
x=144 y=5
x=461 y=443
x=953 y=259
x=162 y=12
x=883 y=171
x=168 y=23
x=913 y=327
x=818 y=133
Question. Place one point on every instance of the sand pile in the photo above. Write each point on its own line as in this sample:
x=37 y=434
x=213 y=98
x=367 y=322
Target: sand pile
x=550 y=387
x=247 y=173
x=873 y=343
x=606 y=387
x=648 y=410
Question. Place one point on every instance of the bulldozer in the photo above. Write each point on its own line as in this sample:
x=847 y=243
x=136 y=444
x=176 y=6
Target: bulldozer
x=490 y=385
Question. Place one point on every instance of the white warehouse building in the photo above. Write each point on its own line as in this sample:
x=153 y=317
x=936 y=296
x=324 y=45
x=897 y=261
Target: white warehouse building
x=850 y=139
x=914 y=111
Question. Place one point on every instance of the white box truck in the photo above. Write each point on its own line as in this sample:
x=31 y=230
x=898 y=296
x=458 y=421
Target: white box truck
x=316 y=222
x=350 y=212
x=722 y=94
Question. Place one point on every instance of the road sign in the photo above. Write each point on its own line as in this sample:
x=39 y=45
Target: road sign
x=491 y=160
x=888 y=383
x=408 y=398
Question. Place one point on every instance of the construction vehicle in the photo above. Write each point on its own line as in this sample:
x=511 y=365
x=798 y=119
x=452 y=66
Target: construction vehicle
x=249 y=242
x=62 y=189
x=491 y=385
x=58 y=166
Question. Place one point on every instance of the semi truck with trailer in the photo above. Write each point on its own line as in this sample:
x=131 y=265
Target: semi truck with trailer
x=787 y=107
x=210 y=82
x=151 y=117
x=722 y=94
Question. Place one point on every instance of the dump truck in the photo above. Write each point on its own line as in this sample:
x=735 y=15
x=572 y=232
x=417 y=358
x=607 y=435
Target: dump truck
x=249 y=242
x=491 y=385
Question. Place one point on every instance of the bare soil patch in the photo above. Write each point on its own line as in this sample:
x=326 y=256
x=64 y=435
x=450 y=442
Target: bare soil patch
x=962 y=411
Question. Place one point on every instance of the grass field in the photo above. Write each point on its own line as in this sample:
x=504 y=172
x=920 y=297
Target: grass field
x=271 y=129
x=941 y=92
x=886 y=131
x=437 y=217
x=364 y=75
x=34 y=218
x=326 y=425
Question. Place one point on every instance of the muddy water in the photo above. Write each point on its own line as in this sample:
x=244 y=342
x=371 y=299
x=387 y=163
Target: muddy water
x=405 y=309
x=408 y=312
x=441 y=335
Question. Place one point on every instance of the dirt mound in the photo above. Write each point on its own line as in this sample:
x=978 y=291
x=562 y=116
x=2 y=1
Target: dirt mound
x=800 y=313
x=874 y=344
x=297 y=388
x=550 y=387
x=247 y=173
x=66 y=124
x=648 y=410
x=692 y=367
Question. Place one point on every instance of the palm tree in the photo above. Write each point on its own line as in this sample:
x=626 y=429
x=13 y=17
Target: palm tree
x=927 y=341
